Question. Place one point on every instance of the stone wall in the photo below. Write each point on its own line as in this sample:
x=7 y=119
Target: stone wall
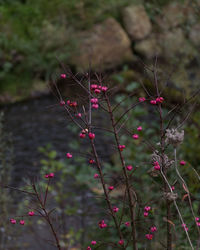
x=173 y=35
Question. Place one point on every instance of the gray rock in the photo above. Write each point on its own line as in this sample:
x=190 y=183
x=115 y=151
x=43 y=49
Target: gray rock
x=174 y=43
x=194 y=34
x=105 y=46
x=175 y=14
x=149 y=48
x=136 y=22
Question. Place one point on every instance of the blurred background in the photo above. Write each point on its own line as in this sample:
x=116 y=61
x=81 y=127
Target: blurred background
x=114 y=37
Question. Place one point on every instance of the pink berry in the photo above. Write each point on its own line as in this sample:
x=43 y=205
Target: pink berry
x=91 y=161
x=89 y=248
x=153 y=102
x=93 y=86
x=96 y=176
x=149 y=236
x=173 y=188
x=22 y=222
x=94 y=100
x=91 y=135
x=153 y=229
x=62 y=103
x=159 y=99
x=127 y=224
x=93 y=242
x=182 y=163
x=139 y=128
x=115 y=209
x=12 y=221
x=198 y=224
x=104 y=88
x=121 y=242
x=82 y=135
x=142 y=99
x=46 y=176
x=122 y=147
x=95 y=106
x=135 y=137
x=63 y=76
x=73 y=104
x=197 y=218
x=102 y=224
x=157 y=167
x=31 y=213
x=111 y=188
x=78 y=115
x=97 y=91
x=129 y=168
x=146 y=214
x=147 y=209
x=69 y=155
x=51 y=175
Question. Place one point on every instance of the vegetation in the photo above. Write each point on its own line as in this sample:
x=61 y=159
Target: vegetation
x=35 y=33
x=136 y=195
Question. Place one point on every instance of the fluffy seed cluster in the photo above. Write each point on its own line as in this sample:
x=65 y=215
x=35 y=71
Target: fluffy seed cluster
x=170 y=196
x=174 y=137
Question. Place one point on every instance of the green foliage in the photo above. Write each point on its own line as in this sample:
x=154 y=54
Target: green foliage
x=35 y=33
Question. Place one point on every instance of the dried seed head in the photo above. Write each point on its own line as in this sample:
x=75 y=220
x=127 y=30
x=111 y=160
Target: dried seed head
x=170 y=196
x=153 y=173
x=165 y=163
x=174 y=137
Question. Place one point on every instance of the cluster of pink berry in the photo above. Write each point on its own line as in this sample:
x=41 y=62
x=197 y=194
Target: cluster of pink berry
x=154 y=102
x=115 y=209
x=94 y=102
x=156 y=165
x=102 y=224
x=93 y=242
x=136 y=136
x=150 y=235
x=142 y=99
x=157 y=100
x=72 y=104
x=146 y=211
x=182 y=163
x=83 y=133
x=98 y=88
x=22 y=222
x=122 y=147
x=197 y=221
x=49 y=176
x=68 y=155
